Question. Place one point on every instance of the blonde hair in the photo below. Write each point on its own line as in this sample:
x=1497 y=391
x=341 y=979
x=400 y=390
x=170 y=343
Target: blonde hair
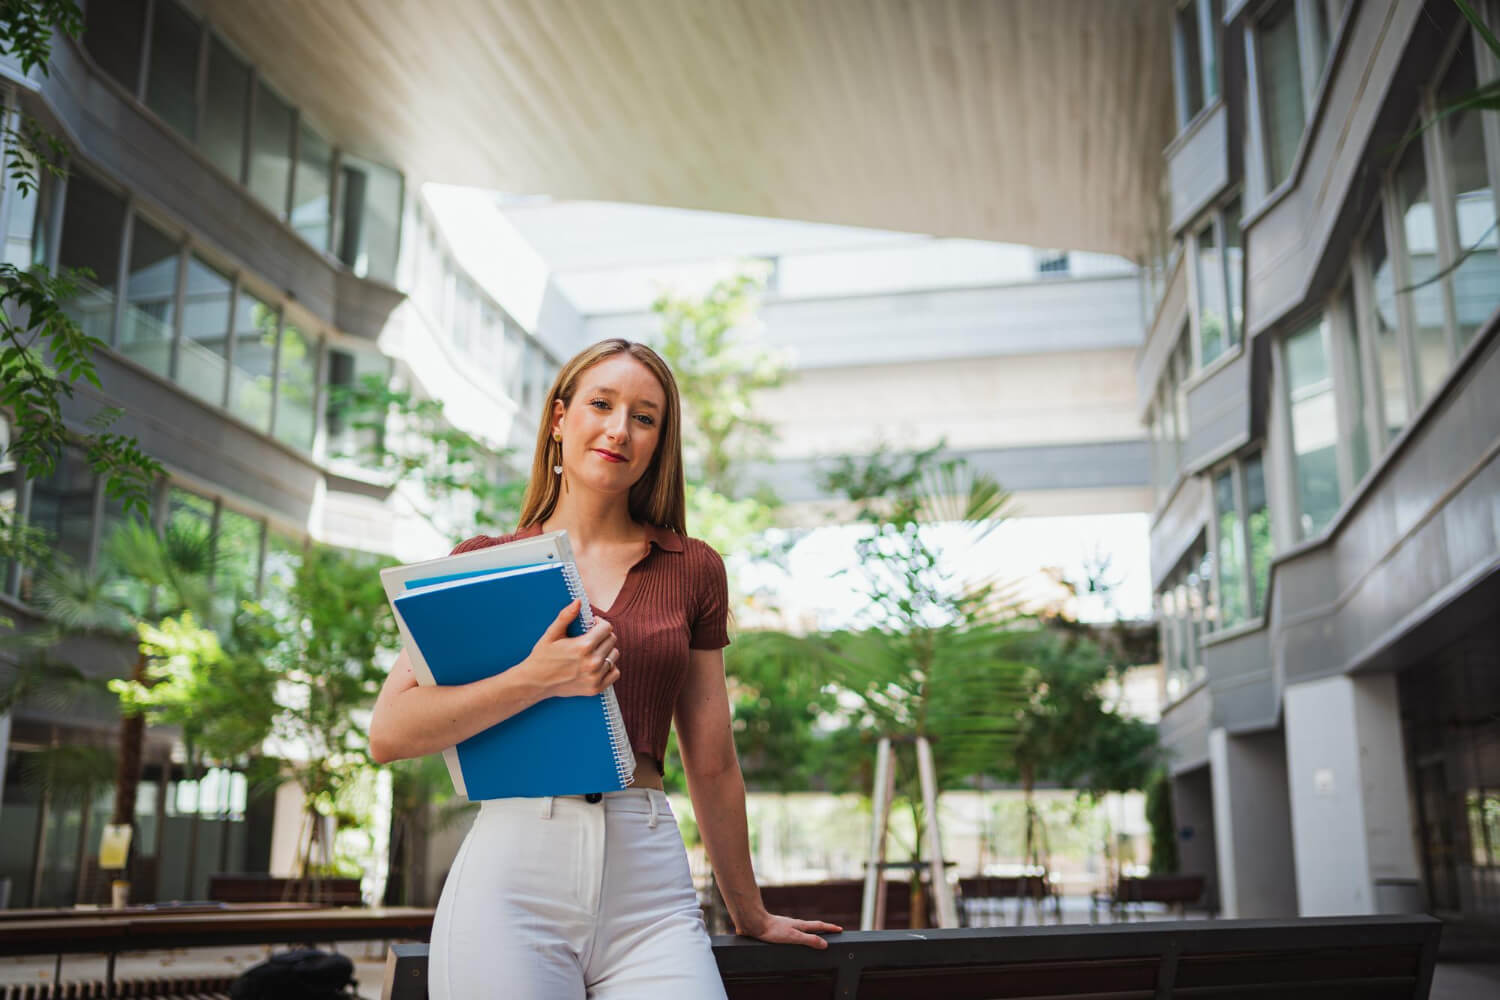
x=658 y=497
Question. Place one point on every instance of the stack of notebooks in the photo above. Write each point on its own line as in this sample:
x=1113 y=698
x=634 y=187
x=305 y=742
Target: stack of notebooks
x=479 y=613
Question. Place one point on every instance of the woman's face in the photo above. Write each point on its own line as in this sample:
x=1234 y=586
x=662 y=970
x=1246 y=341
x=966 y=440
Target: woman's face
x=610 y=430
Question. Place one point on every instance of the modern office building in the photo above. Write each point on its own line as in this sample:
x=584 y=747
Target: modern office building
x=255 y=241
x=1320 y=382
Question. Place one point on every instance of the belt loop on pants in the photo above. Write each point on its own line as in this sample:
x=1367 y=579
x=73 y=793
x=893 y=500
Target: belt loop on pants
x=651 y=796
x=546 y=807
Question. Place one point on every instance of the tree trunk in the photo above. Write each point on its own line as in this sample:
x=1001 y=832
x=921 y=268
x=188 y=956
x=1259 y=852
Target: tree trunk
x=128 y=771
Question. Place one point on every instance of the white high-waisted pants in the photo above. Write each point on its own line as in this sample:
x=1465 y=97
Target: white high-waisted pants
x=561 y=899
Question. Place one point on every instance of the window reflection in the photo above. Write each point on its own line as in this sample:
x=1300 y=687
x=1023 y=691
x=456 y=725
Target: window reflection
x=172 y=81
x=1314 y=426
x=93 y=226
x=1387 y=345
x=202 y=365
x=1476 y=279
x=150 y=298
x=1212 y=332
x=1283 y=113
x=297 y=381
x=271 y=150
x=1419 y=233
x=224 y=118
x=311 y=212
x=1231 y=551
x=255 y=327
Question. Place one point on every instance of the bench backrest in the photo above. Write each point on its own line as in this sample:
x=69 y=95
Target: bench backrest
x=1373 y=958
x=1161 y=889
x=253 y=888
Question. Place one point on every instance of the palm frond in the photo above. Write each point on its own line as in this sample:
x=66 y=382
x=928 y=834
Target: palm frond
x=78 y=600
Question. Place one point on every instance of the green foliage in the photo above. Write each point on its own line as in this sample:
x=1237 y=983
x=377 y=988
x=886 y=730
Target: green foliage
x=411 y=441
x=322 y=639
x=71 y=773
x=26 y=28
x=777 y=696
x=719 y=370
x=1163 y=824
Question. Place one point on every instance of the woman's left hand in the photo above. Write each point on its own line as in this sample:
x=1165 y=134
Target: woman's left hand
x=790 y=930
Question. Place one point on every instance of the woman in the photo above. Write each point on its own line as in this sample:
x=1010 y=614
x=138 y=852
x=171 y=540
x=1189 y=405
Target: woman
x=580 y=896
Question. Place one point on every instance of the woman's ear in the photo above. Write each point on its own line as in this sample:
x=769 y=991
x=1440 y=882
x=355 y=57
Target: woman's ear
x=558 y=409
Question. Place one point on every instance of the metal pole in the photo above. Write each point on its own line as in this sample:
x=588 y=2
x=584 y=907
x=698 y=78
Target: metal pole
x=877 y=833
x=947 y=911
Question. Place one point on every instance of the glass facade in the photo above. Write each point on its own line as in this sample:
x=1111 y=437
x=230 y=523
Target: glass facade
x=1386 y=331
x=369 y=215
x=1257 y=531
x=62 y=505
x=172 y=80
x=1472 y=211
x=26 y=227
x=93 y=225
x=1420 y=243
x=1213 y=337
x=150 y=298
x=312 y=211
x=1189 y=62
x=202 y=361
x=271 y=150
x=1283 y=113
x=113 y=33
x=1233 y=603
x=297 y=387
x=1186 y=612
x=1309 y=376
x=251 y=376
x=346 y=370
x=228 y=99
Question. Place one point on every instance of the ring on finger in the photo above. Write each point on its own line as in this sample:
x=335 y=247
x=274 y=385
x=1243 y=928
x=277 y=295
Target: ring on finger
x=612 y=657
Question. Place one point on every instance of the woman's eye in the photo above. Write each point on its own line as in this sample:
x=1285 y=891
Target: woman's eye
x=646 y=419
x=600 y=403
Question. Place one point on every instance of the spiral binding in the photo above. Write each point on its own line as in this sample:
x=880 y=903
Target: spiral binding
x=614 y=720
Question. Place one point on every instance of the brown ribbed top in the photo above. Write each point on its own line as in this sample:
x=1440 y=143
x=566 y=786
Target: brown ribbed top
x=674 y=599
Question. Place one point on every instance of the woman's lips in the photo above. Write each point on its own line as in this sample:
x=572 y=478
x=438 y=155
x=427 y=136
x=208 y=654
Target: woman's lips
x=608 y=456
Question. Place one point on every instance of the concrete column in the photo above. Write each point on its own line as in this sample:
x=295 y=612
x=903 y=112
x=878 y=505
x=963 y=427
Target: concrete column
x=1252 y=824
x=1351 y=810
x=1193 y=811
x=4 y=748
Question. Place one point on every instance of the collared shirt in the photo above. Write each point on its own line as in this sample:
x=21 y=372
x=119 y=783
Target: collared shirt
x=674 y=598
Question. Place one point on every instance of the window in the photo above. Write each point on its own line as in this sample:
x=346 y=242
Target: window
x=1354 y=399
x=1052 y=263
x=202 y=362
x=228 y=91
x=1258 y=532
x=1425 y=300
x=1234 y=270
x=311 y=208
x=150 y=298
x=1186 y=612
x=1314 y=425
x=1391 y=370
x=347 y=370
x=369 y=218
x=255 y=327
x=172 y=79
x=236 y=557
x=271 y=150
x=1233 y=605
x=1280 y=71
x=113 y=33
x=10 y=495
x=62 y=505
x=93 y=226
x=1213 y=333
x=1471 y=213
x=296 y=385
x=1195 y=38
x=26 y=226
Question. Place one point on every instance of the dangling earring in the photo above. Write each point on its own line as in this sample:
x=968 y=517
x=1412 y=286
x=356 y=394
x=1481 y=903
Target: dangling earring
x=557 y=469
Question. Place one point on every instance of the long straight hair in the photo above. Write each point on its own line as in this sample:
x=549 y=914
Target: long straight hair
x=658 y=497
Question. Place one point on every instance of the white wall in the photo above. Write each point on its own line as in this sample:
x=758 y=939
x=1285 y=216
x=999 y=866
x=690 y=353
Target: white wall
x=1252 y=823
x=1351 y=816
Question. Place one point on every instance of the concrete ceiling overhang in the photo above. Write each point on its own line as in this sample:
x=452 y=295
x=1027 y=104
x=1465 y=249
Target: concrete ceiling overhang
x=1027 y=121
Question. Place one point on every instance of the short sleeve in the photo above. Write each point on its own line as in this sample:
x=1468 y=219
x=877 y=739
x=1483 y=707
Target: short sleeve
x=710 y=626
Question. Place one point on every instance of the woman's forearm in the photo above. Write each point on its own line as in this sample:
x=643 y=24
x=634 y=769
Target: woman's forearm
x=719 y=804
x=423 y=720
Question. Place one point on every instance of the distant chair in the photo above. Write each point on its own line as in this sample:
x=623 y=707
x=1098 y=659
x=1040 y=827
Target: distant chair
x=1180 y=891
x=983 y=898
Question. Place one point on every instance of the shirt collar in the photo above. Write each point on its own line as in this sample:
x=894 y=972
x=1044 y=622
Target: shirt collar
x=663 y=538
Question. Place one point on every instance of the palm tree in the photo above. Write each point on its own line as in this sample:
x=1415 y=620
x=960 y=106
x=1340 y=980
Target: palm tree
x=940 y=658
x=146 y=578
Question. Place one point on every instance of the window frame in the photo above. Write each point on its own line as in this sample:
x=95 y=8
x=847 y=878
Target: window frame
x=1215 y=218
x=1207 y=33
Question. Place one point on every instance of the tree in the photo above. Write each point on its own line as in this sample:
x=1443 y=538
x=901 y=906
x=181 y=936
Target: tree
x=940 y=658
x=328 y=639
x=43 y=353
x=147 y=579
x=410 y=441
x=719 y=371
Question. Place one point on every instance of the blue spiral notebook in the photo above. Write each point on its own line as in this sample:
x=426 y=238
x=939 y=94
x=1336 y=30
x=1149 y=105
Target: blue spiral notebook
x=470 y=626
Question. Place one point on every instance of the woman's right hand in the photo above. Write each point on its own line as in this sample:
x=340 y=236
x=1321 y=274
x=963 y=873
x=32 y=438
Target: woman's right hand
x=567 y=665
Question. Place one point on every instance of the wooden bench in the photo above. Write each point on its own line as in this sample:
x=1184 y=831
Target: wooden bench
x=837 y=901
x=1036 y=889
x=1351 y=958
x=1180 y=891
x=234 y=888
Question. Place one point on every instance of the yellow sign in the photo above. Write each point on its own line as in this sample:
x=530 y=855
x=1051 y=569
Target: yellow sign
x=114 y=846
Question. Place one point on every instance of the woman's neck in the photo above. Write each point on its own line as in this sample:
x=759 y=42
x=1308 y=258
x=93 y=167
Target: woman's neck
x=592 y=519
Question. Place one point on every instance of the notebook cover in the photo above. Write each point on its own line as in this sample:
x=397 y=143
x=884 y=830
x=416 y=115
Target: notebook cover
x=476 y=627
